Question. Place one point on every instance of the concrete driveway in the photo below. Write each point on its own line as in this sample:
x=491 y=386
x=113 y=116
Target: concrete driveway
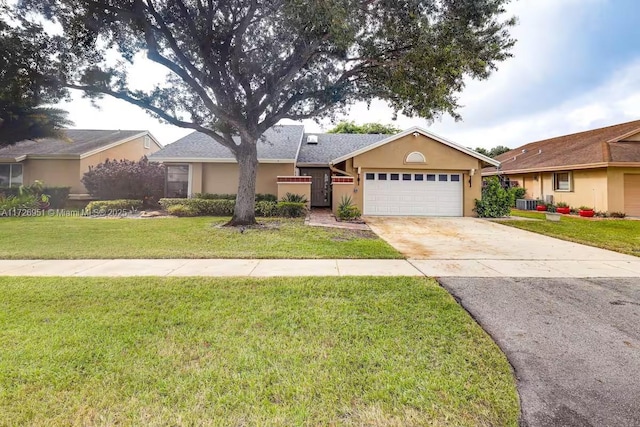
x=574 y=344
x=471 y=247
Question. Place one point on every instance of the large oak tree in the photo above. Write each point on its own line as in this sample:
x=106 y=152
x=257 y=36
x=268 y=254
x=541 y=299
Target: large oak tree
x=238 y=67
x=27 y=82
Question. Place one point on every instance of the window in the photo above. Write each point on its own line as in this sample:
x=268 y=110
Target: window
x=395 y=177
x=370 y=176
x=147 y=142
x=443 y=178
x=406 y=177
x=415 y=157
x=419 y=177
x=382 y=177
x=431 y=177
x=455 y=178
x=562 y=181
x=11 y=175
x=178 y=181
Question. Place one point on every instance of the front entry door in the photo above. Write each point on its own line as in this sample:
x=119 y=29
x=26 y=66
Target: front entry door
x=320 y=186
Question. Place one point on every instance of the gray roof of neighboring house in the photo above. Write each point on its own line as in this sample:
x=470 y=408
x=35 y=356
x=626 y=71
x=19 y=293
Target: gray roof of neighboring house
x=332 y=146
x=80 y=141
x=281 y=142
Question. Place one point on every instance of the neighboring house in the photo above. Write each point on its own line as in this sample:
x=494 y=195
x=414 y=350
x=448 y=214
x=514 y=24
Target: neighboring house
x=412 y=173
x=599 y=168
x=63 y=162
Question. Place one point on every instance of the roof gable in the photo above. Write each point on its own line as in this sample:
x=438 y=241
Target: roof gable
x=424 y=132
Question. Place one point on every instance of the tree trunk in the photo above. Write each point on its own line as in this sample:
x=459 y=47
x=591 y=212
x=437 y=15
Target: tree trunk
x=244 y=212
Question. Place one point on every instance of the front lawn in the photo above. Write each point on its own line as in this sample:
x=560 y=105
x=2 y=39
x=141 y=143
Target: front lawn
x=225 y=352
x=99 y=238
x=620 y=235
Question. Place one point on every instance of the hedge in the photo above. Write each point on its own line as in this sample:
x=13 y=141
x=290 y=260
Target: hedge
x=213 y=196
x=113 y=207
x=224 y=207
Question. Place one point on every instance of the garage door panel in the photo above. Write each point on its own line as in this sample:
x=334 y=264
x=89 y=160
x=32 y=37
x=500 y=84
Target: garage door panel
x=432 y=194
x=632 y=194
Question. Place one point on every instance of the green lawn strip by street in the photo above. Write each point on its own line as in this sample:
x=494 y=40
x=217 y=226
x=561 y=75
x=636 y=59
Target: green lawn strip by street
x=618 y=235
x=281 y=351
x=98 y=238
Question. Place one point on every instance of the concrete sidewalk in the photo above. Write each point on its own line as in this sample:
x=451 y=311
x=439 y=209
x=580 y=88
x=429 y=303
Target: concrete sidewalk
x=629 y=267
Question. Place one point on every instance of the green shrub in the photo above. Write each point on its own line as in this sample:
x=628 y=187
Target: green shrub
x=266 y=208
x=54 y=197
x=213 y=207
x=585 y=208
x=109 y=207
x=266 y=198
x=203 y=207
x=213 y=196
x=166 y=202
x=562 y=205
x=495 y=202
x=224 y=207
x=347 y=211
x=181 y=210
x=516 y=193
x=126 y=180
x=294 y=198
x=291 y=209
x=58 y=196
x=24 y=201
x=9 y=191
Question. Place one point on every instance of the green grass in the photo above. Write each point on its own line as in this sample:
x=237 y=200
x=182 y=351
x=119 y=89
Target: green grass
x=225 y=352
x=85 y=238
x=614 y=234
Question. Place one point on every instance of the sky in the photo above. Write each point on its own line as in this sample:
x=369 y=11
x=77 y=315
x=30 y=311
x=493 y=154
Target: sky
x=575 y=67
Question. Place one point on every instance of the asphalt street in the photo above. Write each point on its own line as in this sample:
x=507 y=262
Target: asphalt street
x=574 y=344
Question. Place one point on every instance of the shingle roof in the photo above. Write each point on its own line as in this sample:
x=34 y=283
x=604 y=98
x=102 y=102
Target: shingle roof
x=333 y=146
x=80 y=141
x=595 y=146
x=279 y=142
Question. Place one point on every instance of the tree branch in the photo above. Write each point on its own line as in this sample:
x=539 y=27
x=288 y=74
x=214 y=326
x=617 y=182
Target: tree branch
x=157 y=111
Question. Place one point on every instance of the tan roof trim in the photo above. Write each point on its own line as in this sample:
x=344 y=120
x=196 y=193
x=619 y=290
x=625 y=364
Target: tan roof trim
x=54 y=157
x=548 y=169
x=626 y=135
x=424 y=132
x=212 y=160
x=12 y=159
x=312 y=165
x=624 y=164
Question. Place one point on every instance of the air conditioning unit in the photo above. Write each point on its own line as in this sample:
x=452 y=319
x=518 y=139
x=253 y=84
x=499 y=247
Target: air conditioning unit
x=312 y=139
x=548 y=199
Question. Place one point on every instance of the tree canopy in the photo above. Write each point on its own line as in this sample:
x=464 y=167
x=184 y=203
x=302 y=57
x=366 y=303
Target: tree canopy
x=27 y=82
x=493 y=152
x=238 y=67
x=375 y=128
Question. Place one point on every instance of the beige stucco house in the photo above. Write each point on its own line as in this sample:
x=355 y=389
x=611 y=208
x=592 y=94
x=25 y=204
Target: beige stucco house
x=414 y=173
x=599 y=168
x=63 y=162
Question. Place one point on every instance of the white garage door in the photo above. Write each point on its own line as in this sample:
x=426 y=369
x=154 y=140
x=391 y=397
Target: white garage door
x=413 y=194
